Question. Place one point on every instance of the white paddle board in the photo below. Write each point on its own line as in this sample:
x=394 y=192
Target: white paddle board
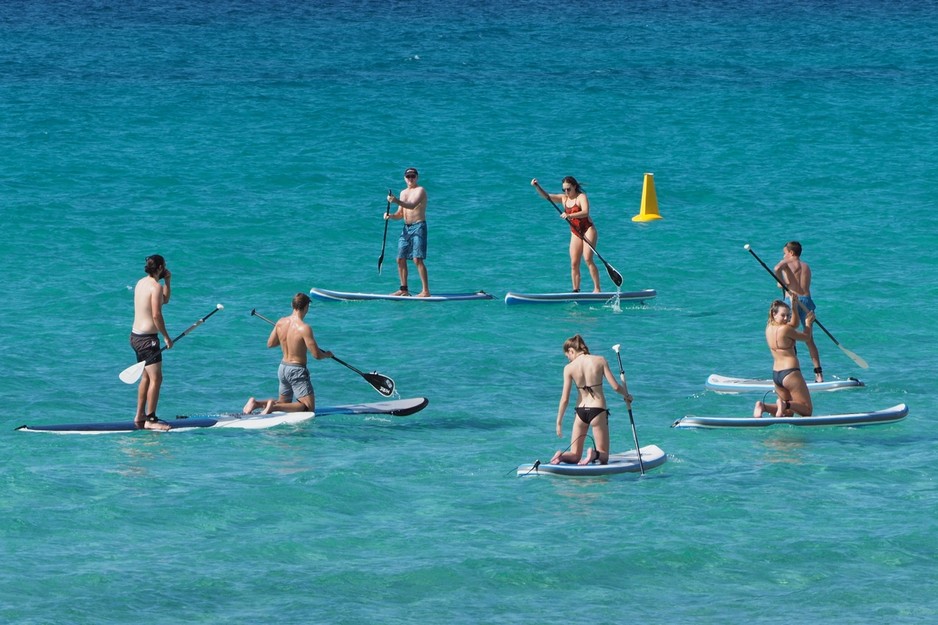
x=624 y=462
x=855 y=419
x=348 y=296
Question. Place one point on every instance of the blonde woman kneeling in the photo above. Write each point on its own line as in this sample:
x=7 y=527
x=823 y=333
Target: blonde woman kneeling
x=586 y=372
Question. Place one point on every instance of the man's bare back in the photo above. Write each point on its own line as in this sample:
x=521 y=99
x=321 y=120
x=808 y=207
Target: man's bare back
x=294 y=337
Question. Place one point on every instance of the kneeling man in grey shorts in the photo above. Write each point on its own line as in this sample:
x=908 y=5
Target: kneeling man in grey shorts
x=295 y=338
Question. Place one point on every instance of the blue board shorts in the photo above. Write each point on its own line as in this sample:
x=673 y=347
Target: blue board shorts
x=805 y=305
x=294 y=381
x=413 y=241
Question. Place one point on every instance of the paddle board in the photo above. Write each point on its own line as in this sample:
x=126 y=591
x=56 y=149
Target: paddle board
x=855 y=419
x=346 y=296
x=723 y=384
x=624 y=462
x=581 y=298
x=399 y=407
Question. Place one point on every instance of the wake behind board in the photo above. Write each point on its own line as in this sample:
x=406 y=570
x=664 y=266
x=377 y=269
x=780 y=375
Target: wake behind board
x=580 y=298
x=400 y=407
x=855 y=419
x=624 y=462
x=347 y=296
x=724 y=384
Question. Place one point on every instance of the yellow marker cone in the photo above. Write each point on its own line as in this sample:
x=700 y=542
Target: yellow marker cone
x=649 y=210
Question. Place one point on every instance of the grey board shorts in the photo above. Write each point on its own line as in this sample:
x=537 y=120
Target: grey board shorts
x=294 y=381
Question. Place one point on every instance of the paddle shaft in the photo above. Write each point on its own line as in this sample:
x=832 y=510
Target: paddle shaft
x=613 y=274
x=377 y=381
x=384 y=241
x=638 y=450
x=849 y=353
x=194 y=326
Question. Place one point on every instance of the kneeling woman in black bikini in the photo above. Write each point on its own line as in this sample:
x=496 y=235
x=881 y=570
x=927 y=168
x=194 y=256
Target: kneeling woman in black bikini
x=781 y=333
x=586 y=372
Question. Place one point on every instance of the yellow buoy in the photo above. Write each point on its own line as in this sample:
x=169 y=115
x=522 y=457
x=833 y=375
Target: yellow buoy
x=649 y=210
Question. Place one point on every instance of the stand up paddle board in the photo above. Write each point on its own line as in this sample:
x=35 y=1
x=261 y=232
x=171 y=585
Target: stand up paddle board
x=581 y=298
x=856 y=419
x=346 y=296
x=723 y=384
x=625 y=462
x=399 y=407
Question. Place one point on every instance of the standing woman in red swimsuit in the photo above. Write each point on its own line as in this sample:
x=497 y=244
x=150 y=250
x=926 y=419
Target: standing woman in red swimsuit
x=781 y=334
x=576 y=211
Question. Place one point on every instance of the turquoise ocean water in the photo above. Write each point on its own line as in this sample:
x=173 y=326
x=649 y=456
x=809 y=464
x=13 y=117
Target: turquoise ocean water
x=252 y=145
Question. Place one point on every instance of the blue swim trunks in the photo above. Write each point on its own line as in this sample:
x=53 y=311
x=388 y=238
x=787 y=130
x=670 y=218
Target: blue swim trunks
x=413 y=241
x=805 y=305
x=294 y=381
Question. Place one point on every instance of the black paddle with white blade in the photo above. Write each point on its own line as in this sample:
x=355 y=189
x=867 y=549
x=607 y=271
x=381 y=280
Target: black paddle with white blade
x=628 y=404
x=862 y=363
x=613 y=274
x=132 y=373
x=381 y=383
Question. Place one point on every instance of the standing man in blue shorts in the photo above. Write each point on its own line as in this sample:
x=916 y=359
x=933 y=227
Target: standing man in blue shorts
x=796 y=277
x=412 y=208
x=295 y=337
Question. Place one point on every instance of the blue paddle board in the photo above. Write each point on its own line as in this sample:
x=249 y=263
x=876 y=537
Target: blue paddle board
x=855 y=419
x=624 y=462
x=580 y=298
x=724 y=384
x=346 y=296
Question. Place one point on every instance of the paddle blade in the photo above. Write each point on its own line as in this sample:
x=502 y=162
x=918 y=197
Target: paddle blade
x=862 y=363
x=381 y=383
x=614 y=275
x=131 y=374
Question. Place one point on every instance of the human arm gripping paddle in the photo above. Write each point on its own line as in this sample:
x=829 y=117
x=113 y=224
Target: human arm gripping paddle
x=381 y=383
x=132 y=373
x=862 y=363
x=614 y=275
x=628 y=404
x=384 y=241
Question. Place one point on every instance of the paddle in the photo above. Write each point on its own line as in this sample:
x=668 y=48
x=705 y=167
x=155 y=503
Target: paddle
x=613 y=274
x=862 y=363
x=132 y=373
x=641 y=465
x=387 y=211
x=381 y=383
